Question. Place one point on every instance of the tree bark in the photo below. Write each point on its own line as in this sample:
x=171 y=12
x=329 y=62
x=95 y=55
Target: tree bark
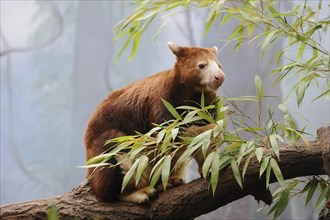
x=186 y=201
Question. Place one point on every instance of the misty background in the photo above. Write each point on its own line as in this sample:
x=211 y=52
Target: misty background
x=49 y=90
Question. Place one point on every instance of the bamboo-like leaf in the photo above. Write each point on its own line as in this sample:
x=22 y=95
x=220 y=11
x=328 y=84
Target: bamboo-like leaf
x=166 y=168
x=307 y=186
x=207 y=164
x=52 y=213
x=206 y=141
x=264 y=165
x=322 y=95
x=323 y=196
x=98 y=159
x=94 y=165
x=129 y=175
x=224 y=161
x=136 y=151
x=282 y=203
x=258 y=84
x=244 y=98
x=189 y=117
x=218 y=128
x=155 y=177
x=311 y=191
x=259 y=153
x=152 y=131
x=171 y=109
x=143 y=163
x=300 y=92
x=301 y=50
x=174 y=133
x=135 y=45
x=268 y=169
x=246 y=165
x=237 y=175
x=267 y=41
x=225 y=18
x=277 y=171
x=274 y=144
x=202 y=100
x=160 y=136
x=205 y=116
x=215 y=168
x=213 y=14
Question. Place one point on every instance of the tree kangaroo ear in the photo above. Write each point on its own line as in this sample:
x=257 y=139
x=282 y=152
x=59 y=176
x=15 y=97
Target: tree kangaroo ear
x=177 y=50
x=214 y=49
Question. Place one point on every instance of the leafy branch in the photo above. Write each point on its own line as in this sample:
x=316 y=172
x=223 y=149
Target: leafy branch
x=172 y=144
x=259 y=21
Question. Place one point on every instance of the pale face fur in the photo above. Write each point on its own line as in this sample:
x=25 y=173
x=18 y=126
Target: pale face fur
x=212 y=77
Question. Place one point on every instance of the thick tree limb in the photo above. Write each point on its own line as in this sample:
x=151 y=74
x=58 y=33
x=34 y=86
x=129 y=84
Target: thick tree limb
x=186 y=201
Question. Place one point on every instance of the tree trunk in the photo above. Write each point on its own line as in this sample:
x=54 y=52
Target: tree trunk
x=186 y=201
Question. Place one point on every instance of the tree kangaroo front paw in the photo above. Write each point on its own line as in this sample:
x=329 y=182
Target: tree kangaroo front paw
x=141 y=196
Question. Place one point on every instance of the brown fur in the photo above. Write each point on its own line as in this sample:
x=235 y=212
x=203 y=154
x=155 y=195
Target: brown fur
x=136 y=106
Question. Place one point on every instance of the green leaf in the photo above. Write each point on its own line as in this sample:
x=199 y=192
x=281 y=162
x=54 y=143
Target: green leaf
x=258 y=84
x=202 y=100
x=174 y=133
x=268 y=169
x=52 y=213
x=246 y=165
x=322 y=94
x=98 y=159
x=259 y=153
x=311 y=191
x=95 y=165
x=171 y=109
x=156 y=172
x=136 y=151
x=159 y=30
x=141 y=167
x=264 y=165
x=129 y=175
x=224 y=161
x=218 y=128
x=207 y=164
x=266 y=43
x=135 y=44
x=300 y=50
x=206 y=141
x=282 y=203
x=244 y=98
x=205 y=116
x=153 y=130
x=237 y=175
x=215 y=168
x=300 y=92
x=160 y=136
x=277 y=172
x=274 y=144
x=225 y=18
x=322 y=197
x=213 y=14
x=166 y=168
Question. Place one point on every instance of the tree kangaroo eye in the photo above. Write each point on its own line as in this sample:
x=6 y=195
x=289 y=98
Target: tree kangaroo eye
x=201 y=66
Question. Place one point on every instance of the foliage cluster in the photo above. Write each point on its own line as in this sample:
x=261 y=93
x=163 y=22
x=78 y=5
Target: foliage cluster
x=225 y=145
x=221 y=145
x=260 y=21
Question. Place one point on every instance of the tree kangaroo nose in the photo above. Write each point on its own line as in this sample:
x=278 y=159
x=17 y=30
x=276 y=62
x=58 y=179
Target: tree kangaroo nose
x=220 y=78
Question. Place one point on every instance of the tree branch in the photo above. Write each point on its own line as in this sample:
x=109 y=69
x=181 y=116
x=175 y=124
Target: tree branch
x=186 y=201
